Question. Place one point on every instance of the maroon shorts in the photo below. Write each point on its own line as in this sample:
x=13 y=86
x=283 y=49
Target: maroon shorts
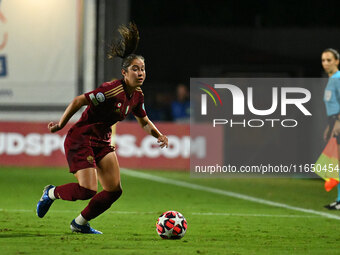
x=80 y=156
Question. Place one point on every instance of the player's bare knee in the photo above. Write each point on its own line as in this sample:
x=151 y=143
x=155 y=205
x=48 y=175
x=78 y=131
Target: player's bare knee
x=113 y=187
x=117 y=189
x=116 y=192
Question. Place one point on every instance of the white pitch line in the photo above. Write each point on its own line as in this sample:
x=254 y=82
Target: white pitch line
x=224 y=193
x=156 y=213
x=255 y=215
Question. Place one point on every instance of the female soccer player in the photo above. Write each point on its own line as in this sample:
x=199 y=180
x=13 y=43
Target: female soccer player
x=87 y=144
x=330 y=62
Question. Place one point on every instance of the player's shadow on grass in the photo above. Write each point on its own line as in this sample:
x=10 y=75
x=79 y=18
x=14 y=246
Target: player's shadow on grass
x=22 y=235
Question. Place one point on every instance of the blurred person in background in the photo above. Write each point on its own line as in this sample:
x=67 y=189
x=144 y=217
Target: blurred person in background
x=180 y=108
x=330 y=63
x=160 y=110
x=87 y=145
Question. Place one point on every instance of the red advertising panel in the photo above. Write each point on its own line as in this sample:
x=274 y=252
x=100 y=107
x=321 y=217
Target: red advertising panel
x=30 y=144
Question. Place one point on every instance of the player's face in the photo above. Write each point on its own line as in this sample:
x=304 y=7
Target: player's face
x=329 y=63
x=135 y=74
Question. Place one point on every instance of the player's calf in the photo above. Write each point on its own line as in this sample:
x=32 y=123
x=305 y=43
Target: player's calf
x=73 y=192
x=100 y=203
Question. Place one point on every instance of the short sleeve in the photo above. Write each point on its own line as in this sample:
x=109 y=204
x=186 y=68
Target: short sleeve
x=97 y=96
x=139 y=110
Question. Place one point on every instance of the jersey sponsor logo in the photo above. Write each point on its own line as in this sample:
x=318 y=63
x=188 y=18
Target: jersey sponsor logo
x=100 y=97
x=93 y=99
x=328 y=95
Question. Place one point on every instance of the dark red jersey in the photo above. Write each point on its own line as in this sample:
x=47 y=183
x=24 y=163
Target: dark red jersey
x=108 y=104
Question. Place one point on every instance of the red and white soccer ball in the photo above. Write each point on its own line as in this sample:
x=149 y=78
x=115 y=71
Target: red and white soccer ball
x=171 y=225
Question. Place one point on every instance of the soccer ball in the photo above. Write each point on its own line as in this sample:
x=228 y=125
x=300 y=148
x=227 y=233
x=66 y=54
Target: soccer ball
x=171 y=225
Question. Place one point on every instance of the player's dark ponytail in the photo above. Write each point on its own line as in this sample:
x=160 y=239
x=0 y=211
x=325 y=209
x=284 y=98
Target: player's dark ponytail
x=126 y=46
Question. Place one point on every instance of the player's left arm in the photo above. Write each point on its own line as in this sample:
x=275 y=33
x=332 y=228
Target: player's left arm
x=151 y=129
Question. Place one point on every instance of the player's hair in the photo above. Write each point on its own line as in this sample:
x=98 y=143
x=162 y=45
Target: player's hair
x=334 y=52
x=126 y=46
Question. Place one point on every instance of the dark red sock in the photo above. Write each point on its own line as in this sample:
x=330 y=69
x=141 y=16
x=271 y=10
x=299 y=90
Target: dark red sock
x=100 y=203
x=73 y=192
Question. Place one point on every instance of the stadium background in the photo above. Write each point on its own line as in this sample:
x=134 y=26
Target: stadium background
x=44 y=65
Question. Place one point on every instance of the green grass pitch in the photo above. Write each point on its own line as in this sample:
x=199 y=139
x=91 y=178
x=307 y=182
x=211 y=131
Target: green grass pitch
x=217 y=224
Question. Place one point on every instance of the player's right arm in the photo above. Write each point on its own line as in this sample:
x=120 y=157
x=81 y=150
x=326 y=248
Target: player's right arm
x=71 y=109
